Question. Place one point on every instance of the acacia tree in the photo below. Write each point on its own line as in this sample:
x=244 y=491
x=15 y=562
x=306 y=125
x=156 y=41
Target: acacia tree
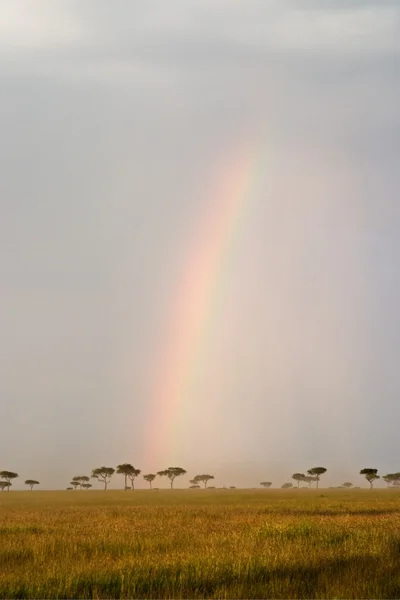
x=8 y=476
x=80 y=480
x=103 y=474
x=347 y=484
x=149 y=477
x=370 y=475
x=316 y=472
x=4 y=485
x=75 y=484
x=172 y=473
x=266 y=484
x=203 y=479
x=298 y=477
x=31 y=483
x=128 y=471
x=86 y=486
x=286 y=486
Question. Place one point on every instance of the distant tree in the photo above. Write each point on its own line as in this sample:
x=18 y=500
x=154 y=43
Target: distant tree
x=132 y=476
x=86 y=486
x=370 y=475
x=172 y=473
x=75 y=484
x=266 y=484
x=286 y=486
x=80 y=480
x=232 y=487
x=69 y=488
x=103 y=474
x=347 y=484
x=316 y=472
x=8 y=476
x=4 y=485
x=129 y=472
x=149 y=477
x=194 y=486
x=392 y=479
x=308 y=479
x=203 y=479
x=31 y=483
x=298 y=477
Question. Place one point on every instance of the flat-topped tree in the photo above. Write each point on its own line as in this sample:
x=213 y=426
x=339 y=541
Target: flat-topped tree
x=75 y=484
x=204 y=478
x=266 y=484
x=298 y=477
x=347 y=484
x=80 y=480
x=86 y=486
x=172 y=473
x=316 y=472
x=149 y=477
x=5 y=485
x=31 y=483
x=370 y=475
x=391 y=478
x=103 y=474
x=8 y=476
x=286 y=486
x=126 y=469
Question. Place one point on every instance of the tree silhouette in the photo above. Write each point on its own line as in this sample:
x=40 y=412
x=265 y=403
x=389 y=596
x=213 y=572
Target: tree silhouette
x=128 y=471
x=172 y=473
x=31 y=483
x=316 y=472
x=298 y=477
x=79 y=480
x=370 y=475
x=86 y=486
x=4 y=485
x=103 y=474
x=347 y=484
x=194 y=486
x=75 y=484
x=149 y=477
x=286 y=486
x=203 y=479
x=8 y=476
x=266 y=484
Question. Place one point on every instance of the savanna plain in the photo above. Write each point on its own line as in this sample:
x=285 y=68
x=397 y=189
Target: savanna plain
x=200 y=544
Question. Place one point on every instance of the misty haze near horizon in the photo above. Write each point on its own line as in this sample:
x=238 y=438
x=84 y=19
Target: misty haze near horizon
x=116 y=120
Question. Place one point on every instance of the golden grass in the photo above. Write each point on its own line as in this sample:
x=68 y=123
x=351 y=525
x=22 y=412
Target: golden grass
x=200 y=544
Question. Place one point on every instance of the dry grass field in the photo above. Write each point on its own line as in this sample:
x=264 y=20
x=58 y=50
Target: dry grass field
x=200 y=544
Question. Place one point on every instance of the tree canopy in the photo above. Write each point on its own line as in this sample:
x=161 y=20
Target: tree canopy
x=172 y=473
x=316 y=472
x=103 y=474
x=149 y=477
x=370 y=475
x=31 y=483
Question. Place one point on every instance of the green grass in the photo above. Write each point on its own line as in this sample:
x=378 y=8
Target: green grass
x=200 y=544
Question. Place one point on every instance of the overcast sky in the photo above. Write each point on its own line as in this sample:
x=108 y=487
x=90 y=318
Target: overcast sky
x=116 y=118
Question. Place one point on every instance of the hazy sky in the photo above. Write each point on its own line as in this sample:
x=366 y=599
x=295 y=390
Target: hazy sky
x=116 y=120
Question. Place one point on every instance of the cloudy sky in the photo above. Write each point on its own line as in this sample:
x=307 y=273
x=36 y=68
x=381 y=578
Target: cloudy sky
x=119 y=124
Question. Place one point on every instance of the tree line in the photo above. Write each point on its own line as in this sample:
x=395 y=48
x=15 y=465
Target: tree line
x=130 y=473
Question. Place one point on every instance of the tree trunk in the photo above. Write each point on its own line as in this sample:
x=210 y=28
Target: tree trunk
x=205 y=484
x=317 y=482
x=125 y=482
x=172 y=484
x=151 y=487
x=105 y=484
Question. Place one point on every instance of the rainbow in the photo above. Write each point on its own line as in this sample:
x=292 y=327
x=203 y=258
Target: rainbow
x=195 y=299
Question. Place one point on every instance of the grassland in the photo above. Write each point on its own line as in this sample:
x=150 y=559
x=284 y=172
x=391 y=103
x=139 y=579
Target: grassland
x=200 y=543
